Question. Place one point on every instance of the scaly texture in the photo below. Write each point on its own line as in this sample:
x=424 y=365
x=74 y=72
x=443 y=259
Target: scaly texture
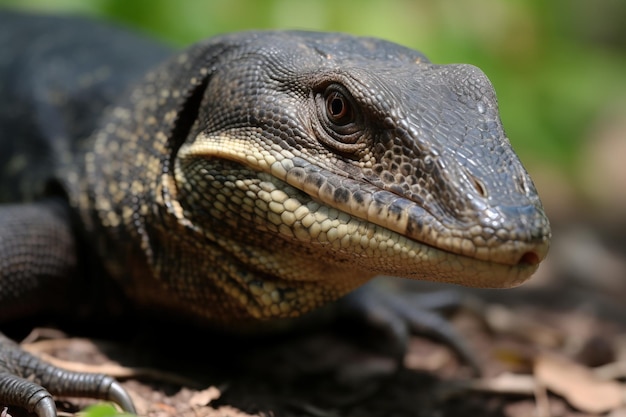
x=252 y=176
x=230 y=159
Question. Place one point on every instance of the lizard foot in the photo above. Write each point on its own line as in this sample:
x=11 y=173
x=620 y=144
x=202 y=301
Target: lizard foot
x=393 y=317
x=24 y=376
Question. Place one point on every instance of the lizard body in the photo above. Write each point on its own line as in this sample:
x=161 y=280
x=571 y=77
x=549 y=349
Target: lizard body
x=255 y=175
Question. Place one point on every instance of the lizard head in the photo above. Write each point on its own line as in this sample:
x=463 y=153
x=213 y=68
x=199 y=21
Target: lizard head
x=316 y=161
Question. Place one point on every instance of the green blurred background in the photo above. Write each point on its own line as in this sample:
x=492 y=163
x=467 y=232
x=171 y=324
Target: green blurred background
x=559 y=68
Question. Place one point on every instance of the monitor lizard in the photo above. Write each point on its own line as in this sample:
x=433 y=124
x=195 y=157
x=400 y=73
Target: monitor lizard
x=252 y=176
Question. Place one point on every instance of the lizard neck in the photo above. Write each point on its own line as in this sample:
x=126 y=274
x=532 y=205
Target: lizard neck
x=147 y=234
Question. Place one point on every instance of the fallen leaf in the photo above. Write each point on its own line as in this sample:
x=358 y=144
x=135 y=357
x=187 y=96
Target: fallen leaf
x=506 y=383
x=113 y=369
x=505 y=321
x=204 y=397
x=614 y=370
x=621 y=412
x=578 y=384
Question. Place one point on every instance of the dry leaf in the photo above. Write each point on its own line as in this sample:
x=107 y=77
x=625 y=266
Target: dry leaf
x=614 y=370
x=504 y=383
x=204 y=397
x=505 y=321
x=620 y=412
x=578 y=384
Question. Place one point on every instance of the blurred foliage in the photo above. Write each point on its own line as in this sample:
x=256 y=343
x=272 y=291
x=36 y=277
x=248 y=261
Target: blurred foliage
x=104 y=410
x=558 y=66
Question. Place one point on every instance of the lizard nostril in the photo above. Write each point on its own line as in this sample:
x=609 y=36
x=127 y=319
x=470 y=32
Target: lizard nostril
x=478 y=186
x=523 y=185
x=529 y=258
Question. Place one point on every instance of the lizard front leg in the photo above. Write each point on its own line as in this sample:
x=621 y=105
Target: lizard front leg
x=38 y=257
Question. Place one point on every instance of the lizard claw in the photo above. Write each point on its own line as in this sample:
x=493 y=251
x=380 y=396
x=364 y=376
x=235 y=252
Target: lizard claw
x=118 y=395
x=24 y=376
x=26 y=394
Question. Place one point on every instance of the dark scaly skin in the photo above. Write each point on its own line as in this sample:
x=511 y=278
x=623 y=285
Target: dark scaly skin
x=56 y=77
x=261 y=175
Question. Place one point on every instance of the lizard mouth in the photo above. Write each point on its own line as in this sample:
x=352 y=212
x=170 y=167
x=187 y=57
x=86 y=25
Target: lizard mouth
x=383 y=249
x=521 y=239
x=356 y=222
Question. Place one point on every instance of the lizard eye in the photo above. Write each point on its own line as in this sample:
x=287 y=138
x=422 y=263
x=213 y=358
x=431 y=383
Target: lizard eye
x=340 y=118
x=338 y=108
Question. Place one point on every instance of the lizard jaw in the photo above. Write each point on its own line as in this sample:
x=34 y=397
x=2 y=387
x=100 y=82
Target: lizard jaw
x=298 y=210
x=380 y=249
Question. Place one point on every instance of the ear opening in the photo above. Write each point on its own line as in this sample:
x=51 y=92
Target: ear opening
x=187 y=116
